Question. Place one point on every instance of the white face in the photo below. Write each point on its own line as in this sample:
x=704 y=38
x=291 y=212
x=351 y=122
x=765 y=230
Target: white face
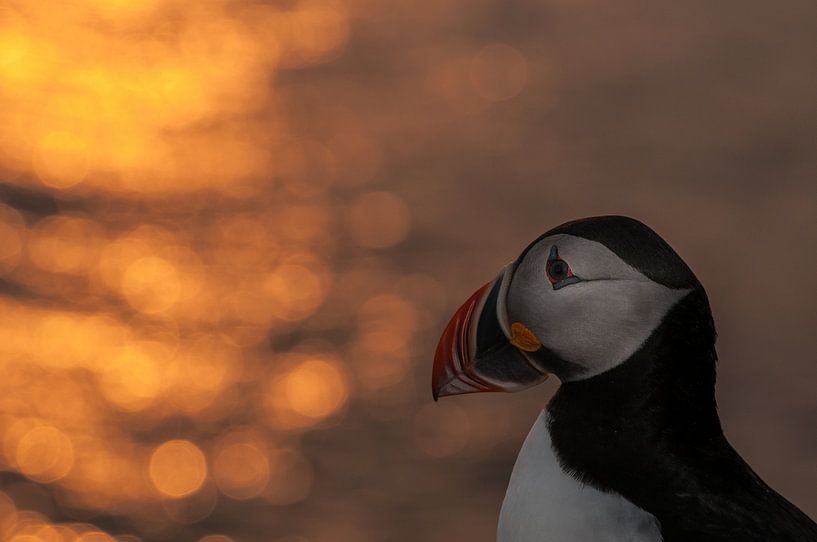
x=596 y=321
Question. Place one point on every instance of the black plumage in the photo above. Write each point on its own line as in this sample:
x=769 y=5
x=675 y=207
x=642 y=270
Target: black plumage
x=649 y=430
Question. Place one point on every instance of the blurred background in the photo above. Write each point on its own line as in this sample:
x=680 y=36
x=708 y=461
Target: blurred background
x=232 y=231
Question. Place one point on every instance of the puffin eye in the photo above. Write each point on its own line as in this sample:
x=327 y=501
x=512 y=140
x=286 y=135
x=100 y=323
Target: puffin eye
x=558 y=271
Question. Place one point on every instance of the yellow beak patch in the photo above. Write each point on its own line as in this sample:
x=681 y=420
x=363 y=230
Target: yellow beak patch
x=524 y=338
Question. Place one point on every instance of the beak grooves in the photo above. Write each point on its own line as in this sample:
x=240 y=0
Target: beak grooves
x=449 y=376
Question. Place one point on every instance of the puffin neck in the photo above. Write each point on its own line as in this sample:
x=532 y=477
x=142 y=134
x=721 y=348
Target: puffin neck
x=641 y=427
x=649 y=431
x=665 y=391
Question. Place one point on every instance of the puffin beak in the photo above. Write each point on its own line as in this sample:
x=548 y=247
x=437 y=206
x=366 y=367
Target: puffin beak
x=481 y=351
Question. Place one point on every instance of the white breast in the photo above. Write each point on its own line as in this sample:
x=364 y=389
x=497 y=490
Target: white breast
x=545 y=504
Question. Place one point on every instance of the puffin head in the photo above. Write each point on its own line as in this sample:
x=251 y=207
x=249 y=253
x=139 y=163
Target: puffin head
x=580 y=300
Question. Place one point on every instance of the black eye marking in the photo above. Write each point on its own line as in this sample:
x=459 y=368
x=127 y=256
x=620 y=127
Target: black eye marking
x=558 y=271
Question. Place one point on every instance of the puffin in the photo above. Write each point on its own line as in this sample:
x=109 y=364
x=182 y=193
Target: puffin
x=630 y=447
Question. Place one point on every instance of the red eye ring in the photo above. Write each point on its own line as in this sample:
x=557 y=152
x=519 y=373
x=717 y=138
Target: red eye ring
x=558 y=271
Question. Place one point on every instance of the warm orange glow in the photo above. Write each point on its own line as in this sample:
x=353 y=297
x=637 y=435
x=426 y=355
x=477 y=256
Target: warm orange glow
x=294 y=290
x=95 y=536
x=318 y=28
x=131 y=378
x=386 y=324
x=127 y=97
x=314 y=388
x=64 y=244
x=215 y=538
x=227 y=231
x=151 y=285
x=201 y=369
x=62 y=159
x=45 y=454
x=241 y=471
x=49 y=533
x=177 y=468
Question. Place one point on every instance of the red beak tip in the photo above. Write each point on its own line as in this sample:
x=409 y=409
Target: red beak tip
x=452 y=374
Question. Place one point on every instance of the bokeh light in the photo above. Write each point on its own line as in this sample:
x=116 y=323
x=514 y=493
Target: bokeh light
x=177 y=468
x=311 y=388
x=241 y=471
x=44 y=454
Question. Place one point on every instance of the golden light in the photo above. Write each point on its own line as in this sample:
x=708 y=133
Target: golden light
x=177 y=468
x=295 y=290
x=15 y=40
x=62 y=159
x=151 y=285
x=65 y=339
x=242 y=240
x=378 y=220
x=241 y=471
x=64 y=244
x=131 y=379
x=44 y=454
x=66 y=533
x=48 y=533
x=95 y=536
x=107 y=476
x=201 y=369
x=317 y=28
x=15 y=429
x=191 y=239
x=315 y=388
x=122 y=93
x=125 y=8
x=499 y=72
x=29 y=523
